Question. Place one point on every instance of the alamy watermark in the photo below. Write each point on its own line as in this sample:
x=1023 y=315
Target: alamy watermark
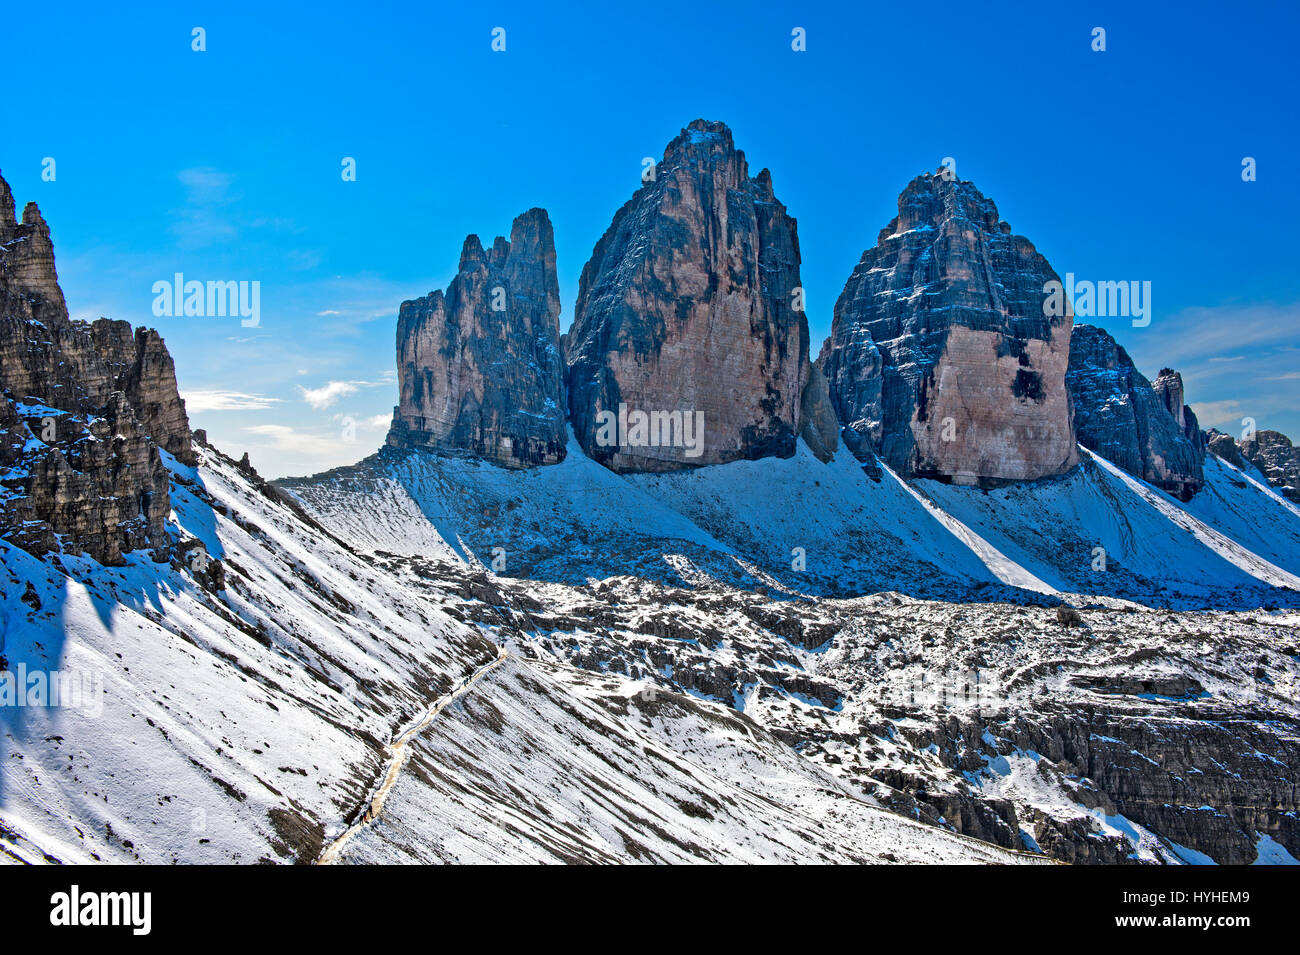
x=52 y=689
x=1123 y=299
x=208 y=300
x=651 y=429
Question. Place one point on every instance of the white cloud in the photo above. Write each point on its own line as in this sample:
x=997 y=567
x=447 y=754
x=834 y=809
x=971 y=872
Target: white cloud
x=324 y=396
x=1218 y=414
x=200 y=400
x=330 y=392
x=283 y=438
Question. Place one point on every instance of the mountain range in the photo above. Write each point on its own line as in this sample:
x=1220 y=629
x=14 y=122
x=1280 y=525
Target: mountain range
x=964 y=586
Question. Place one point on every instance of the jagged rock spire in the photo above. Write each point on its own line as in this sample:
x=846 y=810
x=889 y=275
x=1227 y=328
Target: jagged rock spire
x=689 y=345
x=479 y=367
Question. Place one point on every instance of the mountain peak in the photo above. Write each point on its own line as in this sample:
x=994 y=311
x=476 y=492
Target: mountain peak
x=6 y=204
x=479 y=367
x=690 y=314
x=942 y=359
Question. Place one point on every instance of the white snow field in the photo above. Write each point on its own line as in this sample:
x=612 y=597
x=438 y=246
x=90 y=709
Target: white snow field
x=255 y=722
x=1236 y=544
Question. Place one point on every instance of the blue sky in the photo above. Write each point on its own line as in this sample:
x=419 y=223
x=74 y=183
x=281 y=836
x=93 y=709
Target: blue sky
x=226 y=165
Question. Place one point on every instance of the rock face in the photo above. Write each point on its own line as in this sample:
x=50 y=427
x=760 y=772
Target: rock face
x=689 y=345
x=86 y=408
x=1168 y=387
x=1274 y=454
x=1270 y=451
x=479 y=367
x=942 y=360
x=1131 y=422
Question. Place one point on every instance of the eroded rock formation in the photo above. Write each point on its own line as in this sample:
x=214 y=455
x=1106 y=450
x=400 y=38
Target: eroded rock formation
x=86 y=408
x=690 y=312
x=943 y=360
x=1131 y=422
x=479 y=366
x=1271 y=452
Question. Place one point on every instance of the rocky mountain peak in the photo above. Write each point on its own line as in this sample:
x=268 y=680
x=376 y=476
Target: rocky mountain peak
x=703 y=141
x=27 y=254
x=1137 y=425
x=86 y=410
x=479 y=366
x=689 y=345
x=471 y=254
x=6 y=205
x=942 y=360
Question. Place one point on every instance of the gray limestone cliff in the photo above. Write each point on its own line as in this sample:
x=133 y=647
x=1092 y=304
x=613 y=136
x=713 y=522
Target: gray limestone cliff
x=86 y=410
x=479 y=366
x=690 y=345
x=944 y=360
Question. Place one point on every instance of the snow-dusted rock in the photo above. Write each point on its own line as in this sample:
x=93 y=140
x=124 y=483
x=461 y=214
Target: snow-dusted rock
x=942 y=359
x=479 y=366
x=1270 y=452
x=691 y=305
x=1128 y=421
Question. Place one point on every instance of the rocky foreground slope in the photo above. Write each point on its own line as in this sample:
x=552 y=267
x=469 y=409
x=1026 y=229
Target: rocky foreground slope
x=252 y=722
x=954 y=693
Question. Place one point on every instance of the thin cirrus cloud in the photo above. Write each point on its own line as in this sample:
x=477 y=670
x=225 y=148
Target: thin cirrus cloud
x=295 y=444
x=217 y=400
x=1224 y=415
x=1237 y=361
x=203 y=220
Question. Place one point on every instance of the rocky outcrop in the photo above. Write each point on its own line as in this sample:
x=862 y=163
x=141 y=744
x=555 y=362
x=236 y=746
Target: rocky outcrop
x=1131 y=422
x=479 y=366
x=86 y=409
x=943 y=359
x=689 y=345
x=1168 y=386
x=820 y=428
x=1271 y=452
x=1279 y=460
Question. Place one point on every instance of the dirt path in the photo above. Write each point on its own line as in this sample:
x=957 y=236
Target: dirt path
x=397 y=758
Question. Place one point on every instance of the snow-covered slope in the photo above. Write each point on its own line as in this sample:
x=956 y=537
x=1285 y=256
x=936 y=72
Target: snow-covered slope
x=222 y=726
x=573 y=766
x=900 y=635
x=801 y=526
x=249 y=717
x=1101 y=531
